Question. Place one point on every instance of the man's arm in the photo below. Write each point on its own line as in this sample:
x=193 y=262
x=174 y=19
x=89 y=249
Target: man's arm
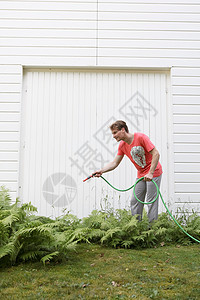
x=155 y=158
x=110 y=166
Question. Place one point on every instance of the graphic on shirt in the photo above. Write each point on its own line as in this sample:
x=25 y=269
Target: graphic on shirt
x=138 y=155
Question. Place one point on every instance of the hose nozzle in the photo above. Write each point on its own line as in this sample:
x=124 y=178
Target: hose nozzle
x=89 y=177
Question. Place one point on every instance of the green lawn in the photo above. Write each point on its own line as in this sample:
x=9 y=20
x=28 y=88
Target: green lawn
x=95 y=272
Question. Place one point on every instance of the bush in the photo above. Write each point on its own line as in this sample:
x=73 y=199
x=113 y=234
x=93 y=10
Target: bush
x=24 y=236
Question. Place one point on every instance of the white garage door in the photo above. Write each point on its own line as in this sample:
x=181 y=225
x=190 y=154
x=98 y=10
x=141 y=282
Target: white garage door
x=65 y=135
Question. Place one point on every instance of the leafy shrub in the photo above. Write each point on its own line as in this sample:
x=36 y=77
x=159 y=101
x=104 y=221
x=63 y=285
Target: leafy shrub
x=24 y=236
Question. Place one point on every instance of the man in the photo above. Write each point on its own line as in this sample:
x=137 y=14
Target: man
x=144 y=155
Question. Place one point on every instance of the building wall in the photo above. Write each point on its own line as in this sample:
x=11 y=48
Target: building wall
x=10 y=98
x=130 y=34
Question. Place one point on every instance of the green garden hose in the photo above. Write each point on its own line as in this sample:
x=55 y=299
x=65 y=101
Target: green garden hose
x=158 y=193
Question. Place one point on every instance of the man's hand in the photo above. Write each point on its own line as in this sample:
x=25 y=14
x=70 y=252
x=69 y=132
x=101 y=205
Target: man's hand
x=97 y=173
x=148 y=177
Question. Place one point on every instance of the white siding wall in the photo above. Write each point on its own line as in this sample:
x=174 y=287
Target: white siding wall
x=136 y=34
x=48 y=33
x=186 y=116
x=10 y=95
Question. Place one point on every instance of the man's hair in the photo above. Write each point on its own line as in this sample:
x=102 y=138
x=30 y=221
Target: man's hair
x=119 y=125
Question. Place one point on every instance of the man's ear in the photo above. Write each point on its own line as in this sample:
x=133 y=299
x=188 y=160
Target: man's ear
x=123 y=129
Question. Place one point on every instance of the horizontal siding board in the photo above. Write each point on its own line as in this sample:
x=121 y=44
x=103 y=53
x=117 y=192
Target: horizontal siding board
x=9 y=156
x=44 y=61
x=145 y=62
x=149 y=43
x=187 y=168
x=52 y=24
x=189 y=177
x=186 y=138
x=186 y=148
x=186 y=109
x=50 y=42
x=187 y=187
x=185 y=99
x=135 y=25
x=148 y=7
x=187 y=157
x=186 y=90
x=49 y=15
x=13 y=87
x=9 y=126
x=185 y=72
x=9 y=69
x=10 y=78
x=9 y=117
x=9 y=136
x=186 y=119
x=52 y=33
x=9 y=166
x=48 y=6
x=9 y=176
x=10 y=97
x=187 y=81
x=140 y=16
x=187 y=128
x=144 y=34
x=38 y=51
x=121 y=52
x=136 y=6
x=9 y=107
x=6 y=146
x=57 y=18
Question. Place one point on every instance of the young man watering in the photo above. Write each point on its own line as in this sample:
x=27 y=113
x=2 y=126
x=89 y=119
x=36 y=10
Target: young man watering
x=144 y=155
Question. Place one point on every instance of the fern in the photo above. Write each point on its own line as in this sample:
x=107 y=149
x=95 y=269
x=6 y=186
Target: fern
x=4 y=234
x=7 y=249
x=5 y=199
x=95 y=220
x=110 y=234
x=127 y=244
x=49 y=257
x=10 y=250
x=95 y=235
x=38 y=230
x=24 y=236
x=80 y=235
x=9 y=220
x=31 y=255
x=132 y=225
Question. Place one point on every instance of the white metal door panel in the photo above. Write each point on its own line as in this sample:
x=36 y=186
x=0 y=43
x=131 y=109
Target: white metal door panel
x=65 y=135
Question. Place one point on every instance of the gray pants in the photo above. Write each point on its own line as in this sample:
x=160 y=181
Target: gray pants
x=148 y=189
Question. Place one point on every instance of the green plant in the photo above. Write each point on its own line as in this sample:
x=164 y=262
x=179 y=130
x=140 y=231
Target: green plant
x=25 y=236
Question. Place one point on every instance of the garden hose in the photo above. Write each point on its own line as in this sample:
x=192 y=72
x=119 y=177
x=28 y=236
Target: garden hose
x=158 y=193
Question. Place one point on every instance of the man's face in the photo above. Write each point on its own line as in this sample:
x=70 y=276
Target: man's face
x=117 y=134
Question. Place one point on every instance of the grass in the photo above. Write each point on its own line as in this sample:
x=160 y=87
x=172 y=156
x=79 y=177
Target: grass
x=96 y=272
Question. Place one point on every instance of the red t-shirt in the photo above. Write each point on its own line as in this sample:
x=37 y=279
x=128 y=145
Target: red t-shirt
x=138 y=153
